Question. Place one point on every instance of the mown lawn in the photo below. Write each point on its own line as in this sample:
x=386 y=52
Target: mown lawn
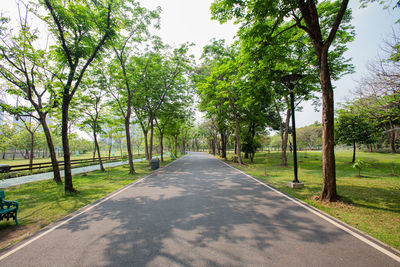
x=42 y=203
x=370 y=203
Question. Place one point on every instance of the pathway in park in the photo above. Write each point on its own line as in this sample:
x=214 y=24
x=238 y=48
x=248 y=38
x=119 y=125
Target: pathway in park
x=197 y=211
x=49 y=175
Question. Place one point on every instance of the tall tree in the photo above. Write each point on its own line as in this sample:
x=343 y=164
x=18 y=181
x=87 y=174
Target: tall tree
x=321 y=25
x=26 y=67
x=165 y=82
x=135 y=21
x=91 y=105
x=82 y=29
x=352 y=129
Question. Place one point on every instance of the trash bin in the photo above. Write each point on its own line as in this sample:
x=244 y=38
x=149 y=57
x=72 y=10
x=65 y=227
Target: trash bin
x=154 y=164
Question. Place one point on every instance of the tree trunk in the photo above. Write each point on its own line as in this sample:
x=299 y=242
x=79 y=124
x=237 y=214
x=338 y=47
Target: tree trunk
x=236 y=132
x=151 y=137
x=110 y=149
x=284 y=131
x=223 y=146
x=213 y=146
x=146 y=144
x=69 y=188
x=176 y=145
x=128 y=143
x=354 y=152
x=53 y=156
x=32 y=150
x=329 y=192
x=94 y=151
x=161 y=147
x=392 y=137
x=98 y=150
x=182 y=143
x=309 y=13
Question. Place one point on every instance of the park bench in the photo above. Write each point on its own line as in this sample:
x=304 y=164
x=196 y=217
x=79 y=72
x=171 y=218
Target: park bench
x=8 y=209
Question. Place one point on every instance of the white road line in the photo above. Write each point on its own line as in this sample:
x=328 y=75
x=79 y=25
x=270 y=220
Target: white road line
x=326 y=218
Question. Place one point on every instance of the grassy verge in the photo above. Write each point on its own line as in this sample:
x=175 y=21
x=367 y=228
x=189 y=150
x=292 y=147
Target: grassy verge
x=370 y=203
x=42 y=203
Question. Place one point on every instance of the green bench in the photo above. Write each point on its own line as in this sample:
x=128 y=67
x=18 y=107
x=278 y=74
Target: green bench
x=8 y=209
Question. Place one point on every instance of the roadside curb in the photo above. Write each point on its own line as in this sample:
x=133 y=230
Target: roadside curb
x=362 y=236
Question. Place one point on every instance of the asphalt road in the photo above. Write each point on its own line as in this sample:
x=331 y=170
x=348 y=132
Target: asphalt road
x=195 y=212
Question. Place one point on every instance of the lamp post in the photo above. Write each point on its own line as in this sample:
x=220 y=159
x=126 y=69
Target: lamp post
x=290 y=80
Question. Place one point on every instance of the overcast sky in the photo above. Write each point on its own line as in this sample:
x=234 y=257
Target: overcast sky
x=190 y=21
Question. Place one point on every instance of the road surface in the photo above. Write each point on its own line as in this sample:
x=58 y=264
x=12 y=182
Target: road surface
x=195 y=212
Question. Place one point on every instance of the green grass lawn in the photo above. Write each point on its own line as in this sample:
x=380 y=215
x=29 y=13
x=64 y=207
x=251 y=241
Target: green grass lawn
x=370 y=203
x=42 y=203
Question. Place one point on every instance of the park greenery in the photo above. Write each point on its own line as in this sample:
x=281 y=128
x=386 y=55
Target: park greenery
x=100 y=63
x=102 y=70
x=99 y=68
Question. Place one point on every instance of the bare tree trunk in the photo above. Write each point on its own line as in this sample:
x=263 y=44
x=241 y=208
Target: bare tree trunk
x=182 y=143
x=236 y=132
x=329 y=192
x=176 y=145
x=151 y=137
x=284 y=131
x=69 y=188
x=110 y=149
x=161 y=147
x=128 y=143
x=32 y=150
x=213 y=146
x=321 y=46
x=98 y=150
x=392 y=137
x=146 y=145
x=53 y=156
x=354 y=152
x=94 y=151
x=223 y=145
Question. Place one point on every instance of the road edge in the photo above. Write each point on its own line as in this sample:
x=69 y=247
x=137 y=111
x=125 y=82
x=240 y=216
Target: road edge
x=53 y=226
x=362 y=236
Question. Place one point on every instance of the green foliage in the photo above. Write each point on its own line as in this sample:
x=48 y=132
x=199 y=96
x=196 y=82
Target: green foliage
x=352 y=128
x=309 y=137
x=250 y=145
x=360 y=165
x=7 y=134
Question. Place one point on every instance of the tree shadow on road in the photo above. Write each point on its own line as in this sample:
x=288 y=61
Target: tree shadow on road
x=200 y=216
